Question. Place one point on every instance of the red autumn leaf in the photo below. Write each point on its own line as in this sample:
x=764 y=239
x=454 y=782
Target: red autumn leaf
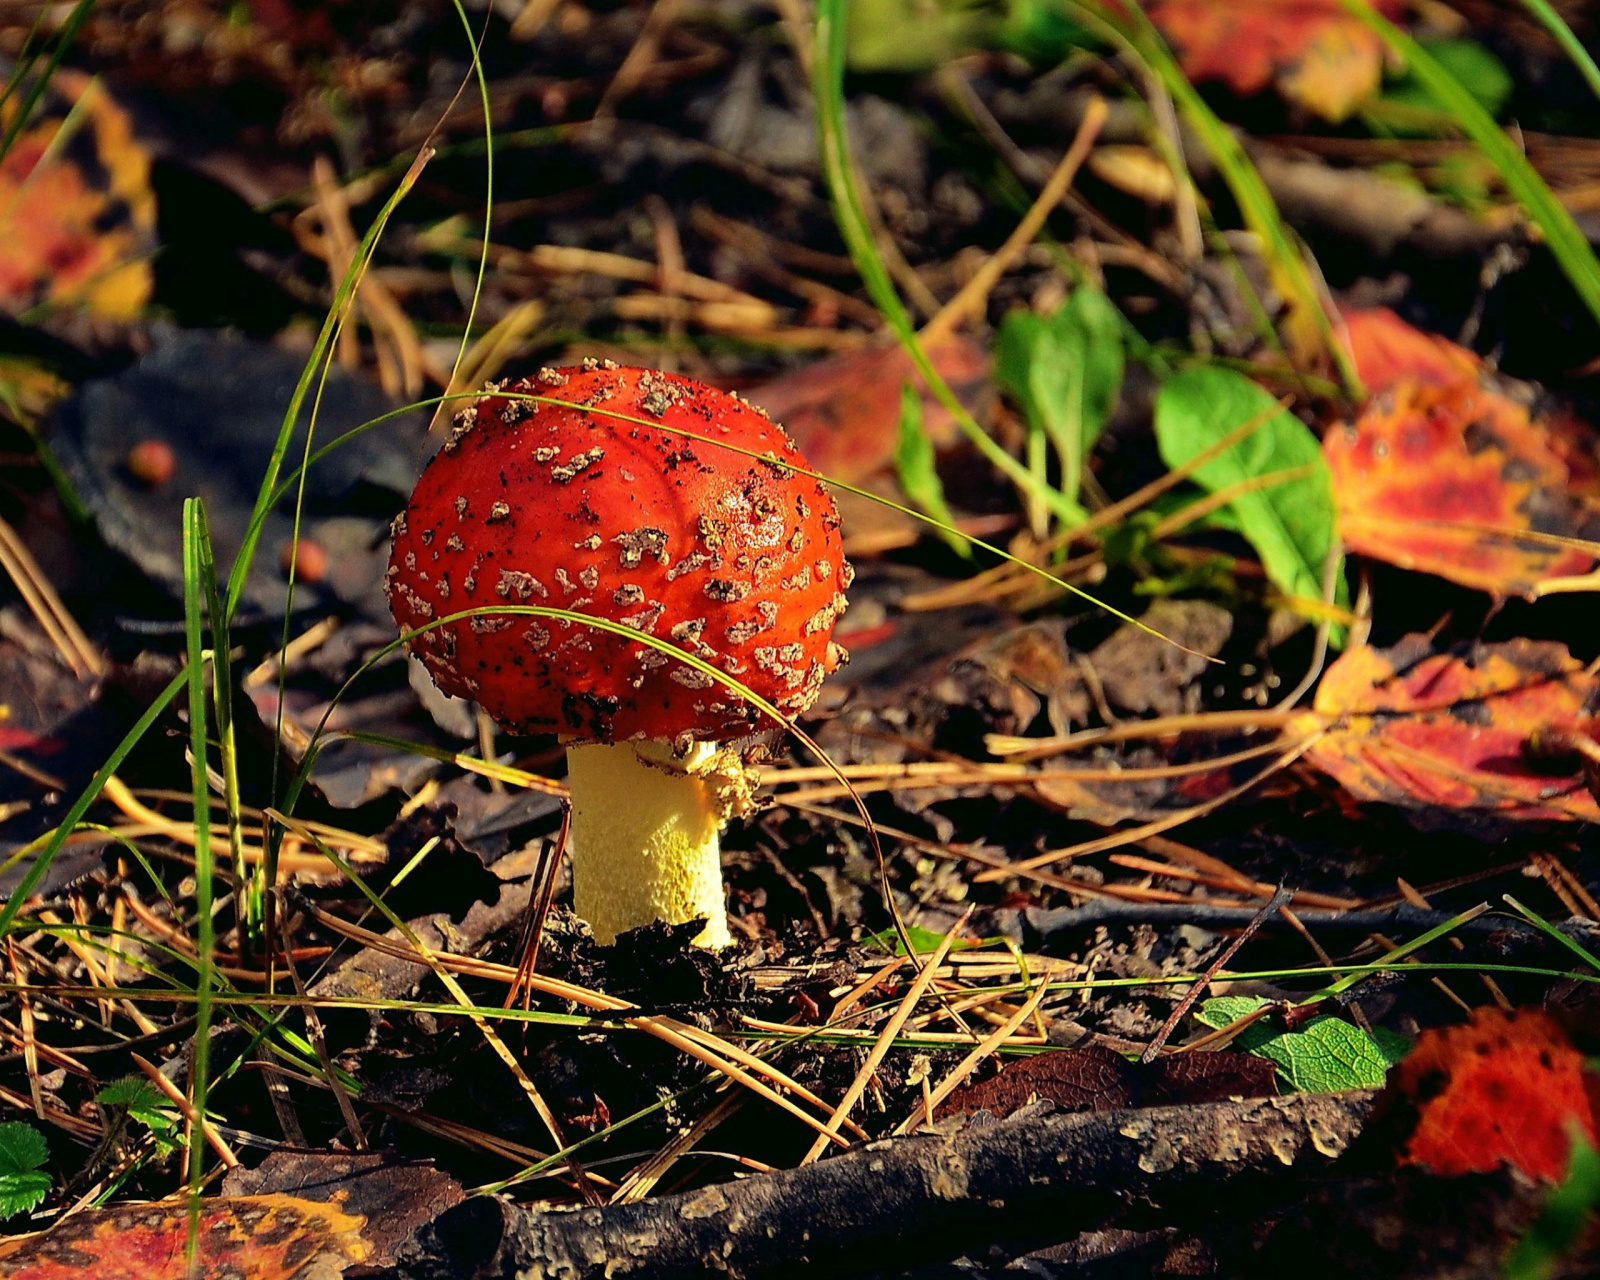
x=843 y=412
x=1445 y=472
x=1412 y=727
x=1387 y=351
x=1314 y=52
x=1452 y=481
x=77 y=212
x=1505 y=1089
x=273 y=1237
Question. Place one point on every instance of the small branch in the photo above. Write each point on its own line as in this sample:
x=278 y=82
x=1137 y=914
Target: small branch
x=175 y=1096
x=895 y=1203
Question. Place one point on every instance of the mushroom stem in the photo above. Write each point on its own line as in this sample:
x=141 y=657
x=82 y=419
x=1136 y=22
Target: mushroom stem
x=645 y=828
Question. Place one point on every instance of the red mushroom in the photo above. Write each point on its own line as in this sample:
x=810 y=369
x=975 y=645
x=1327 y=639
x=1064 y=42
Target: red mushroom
x=598 y=507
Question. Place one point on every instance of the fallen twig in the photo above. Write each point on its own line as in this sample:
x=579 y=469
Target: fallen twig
x=901 y=1201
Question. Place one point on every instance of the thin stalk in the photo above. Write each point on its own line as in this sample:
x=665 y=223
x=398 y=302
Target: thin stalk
x=1401 y=952
x=64 y=39
x=1570 y=44
x=1545 y=927
x=828 y=87
x=195 y=555
x=222 y=703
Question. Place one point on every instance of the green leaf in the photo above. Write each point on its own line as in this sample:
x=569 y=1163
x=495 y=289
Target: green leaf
x=1039 y=31
x=926 y=941
x=1391 y=1044
x=1324 y=1056
x=1290 y=524
x=915 y=35
x=144 y=1103
x=915 y=466
x=1224 y=1011
x=1065 y=371
x=1481 y=74
x=22 y=1184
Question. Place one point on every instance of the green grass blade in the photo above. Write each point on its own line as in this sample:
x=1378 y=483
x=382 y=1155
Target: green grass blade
x=1544 y=926
x=1570 y=44
x=1280 y=247
x=222 y=705
x=1571 y=249
x=320 y=354
x=195 y=553
x=475 y=45
x=828 y=87
x=64 y=39
x=1401 y=952
x=27 y=57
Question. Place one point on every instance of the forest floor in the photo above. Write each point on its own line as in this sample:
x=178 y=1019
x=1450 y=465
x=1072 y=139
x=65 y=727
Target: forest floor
x=1194 y=871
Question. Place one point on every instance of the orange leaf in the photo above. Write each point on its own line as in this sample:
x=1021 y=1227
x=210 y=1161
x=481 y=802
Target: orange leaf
x=1446 y=473
x=1505 y=1089
x=1411 y=727
x=274 y=1237
x=1317 y=54
x=77 y=212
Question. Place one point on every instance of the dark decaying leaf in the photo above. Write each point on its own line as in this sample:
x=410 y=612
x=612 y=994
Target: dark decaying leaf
x=1456 y=731
x=217 y=403
x=396 y=1197
x=1144 y=673
x=1099 y=1079
x=270 y=1237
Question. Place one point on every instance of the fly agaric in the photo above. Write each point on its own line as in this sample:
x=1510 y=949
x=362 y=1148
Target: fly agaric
x=602 y=505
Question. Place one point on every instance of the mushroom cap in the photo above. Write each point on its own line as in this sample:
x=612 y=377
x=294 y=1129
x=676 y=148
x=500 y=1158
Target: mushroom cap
x=733 y=558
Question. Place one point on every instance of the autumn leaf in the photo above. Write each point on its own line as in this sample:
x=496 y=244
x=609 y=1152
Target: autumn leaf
x=1387 y=350
x=1459 y=482
x=1411 y=727
x=844 y=414
x=77 y=211
x=1508 y=1088
x=1446 y=473
x=272 y=1237
x=1316 y=53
